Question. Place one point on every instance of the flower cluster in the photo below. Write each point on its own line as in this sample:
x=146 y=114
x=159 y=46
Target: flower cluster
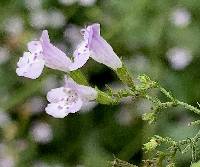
x=70 y=97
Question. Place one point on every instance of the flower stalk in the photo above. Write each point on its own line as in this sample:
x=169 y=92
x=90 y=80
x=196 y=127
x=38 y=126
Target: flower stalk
x=125 y=77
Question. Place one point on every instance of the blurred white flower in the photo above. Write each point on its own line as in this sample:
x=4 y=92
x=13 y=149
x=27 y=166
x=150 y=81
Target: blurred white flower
x=42 y=132
x=4 y=118
x=49 y=83
x=124 y=117
x=4 y=55
x=179 y=58
x=6 y=161
x=33 y=4
x=56 y=19
x=81 y=2
x=143 y=106
x=36 y=104
x=2 y=148
x=181 y=17
x=139 y=63
x=72 y=33
x=67 y=2
x=87 y=2
x=14 y=26
x=40 y=164
x=39 y=19
x=44 y=164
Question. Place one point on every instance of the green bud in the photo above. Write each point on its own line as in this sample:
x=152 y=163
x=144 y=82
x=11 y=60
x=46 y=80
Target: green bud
x=151 y=145
x=171 y=165
x=146 y=82
x=150 y=117
x=119 y=163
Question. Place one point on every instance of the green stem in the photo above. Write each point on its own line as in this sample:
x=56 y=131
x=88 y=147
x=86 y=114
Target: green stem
x=189 y=107
x=166 y=93
x=78 y=77
x=125 y=77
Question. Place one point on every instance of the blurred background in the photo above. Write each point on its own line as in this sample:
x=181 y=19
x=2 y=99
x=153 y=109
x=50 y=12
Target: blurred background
x=159 y=38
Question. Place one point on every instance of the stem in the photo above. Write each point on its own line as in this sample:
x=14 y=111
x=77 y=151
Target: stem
x=79 y=77
x=189 y=107
x=166 y=93
x=125 y=77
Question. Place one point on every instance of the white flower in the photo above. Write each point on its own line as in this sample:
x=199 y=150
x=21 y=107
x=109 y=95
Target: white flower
x=67 y=2
x=56 y=19
x=96 y=47
x=36 y=105
x=39 y=18
x=179 y=58
x=42 y=132
x=14 y=26
x=33 y=4
x=68 y=99
x=87 y=2
x=181 y=17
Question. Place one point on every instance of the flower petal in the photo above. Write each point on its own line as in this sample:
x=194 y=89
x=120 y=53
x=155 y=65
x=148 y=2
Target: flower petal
x=95 y=28
x=60 y=110
x=100 y=50
x=54 y=57
x=103 y=53
x=30 y=66
x=56 y=95
x=87 y=93
x=74 y=107
x=24 y=59
x=55 y=110
x=81 y=55
x=35 y=46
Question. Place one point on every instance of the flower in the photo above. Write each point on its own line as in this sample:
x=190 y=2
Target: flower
x=181 y=17
x=96 y=47
x=30 y=65
x=68 y=99
x=54 y=57
x=42 y=132
x=43 y=53
x=179 y=58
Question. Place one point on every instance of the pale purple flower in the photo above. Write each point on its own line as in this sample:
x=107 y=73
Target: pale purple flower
x=42 y=132
x=43 y=53
x=179 y=58
x=97 y=48
x=54 y=57
x=69 y=99
x=181 y=17
x=30 y=66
